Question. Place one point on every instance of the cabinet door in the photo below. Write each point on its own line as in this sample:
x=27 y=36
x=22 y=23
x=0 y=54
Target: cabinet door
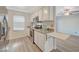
x=33 y=16
x=42 y=40
x=50 y=44
x=52 y=13
x=40 y=14
x=36 y=38
x=39 y=39
x=46 y=13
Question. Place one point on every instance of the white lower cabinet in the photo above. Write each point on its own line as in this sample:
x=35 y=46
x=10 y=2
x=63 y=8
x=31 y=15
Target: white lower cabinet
x=44 y=42
x=39 y=40
x=50 y=44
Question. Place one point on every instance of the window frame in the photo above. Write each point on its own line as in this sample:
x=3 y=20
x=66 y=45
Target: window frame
x=14 y=22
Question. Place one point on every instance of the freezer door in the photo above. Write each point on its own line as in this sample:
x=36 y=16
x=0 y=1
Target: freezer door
x=5 y=27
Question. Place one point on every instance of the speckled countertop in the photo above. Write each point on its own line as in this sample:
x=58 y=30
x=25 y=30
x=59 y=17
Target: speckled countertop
x=59 y=35
x=44 y=31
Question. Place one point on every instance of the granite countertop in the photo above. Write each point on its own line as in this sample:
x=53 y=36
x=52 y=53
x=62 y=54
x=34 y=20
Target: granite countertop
x=44 y=31
x=59 y=35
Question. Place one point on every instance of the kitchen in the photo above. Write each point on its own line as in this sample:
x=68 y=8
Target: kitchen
x=32 y=24
x=41 y=29
x=42 y=23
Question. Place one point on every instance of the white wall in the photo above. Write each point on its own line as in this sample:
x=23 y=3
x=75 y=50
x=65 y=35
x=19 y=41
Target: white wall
x=68 y=24
x=12 y=33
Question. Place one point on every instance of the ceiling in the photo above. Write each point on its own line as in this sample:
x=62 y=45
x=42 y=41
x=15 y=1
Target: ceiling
x=27 y=9
x=31 y=9
x=60 y=9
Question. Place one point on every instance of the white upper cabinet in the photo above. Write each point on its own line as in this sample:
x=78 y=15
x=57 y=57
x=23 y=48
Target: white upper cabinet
x=48 y=13
x=45 y=13
x=40 y=14
x=33 y=16
x=52 y=13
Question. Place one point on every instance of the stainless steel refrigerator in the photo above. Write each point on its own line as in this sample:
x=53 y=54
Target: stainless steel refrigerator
x=3 y=28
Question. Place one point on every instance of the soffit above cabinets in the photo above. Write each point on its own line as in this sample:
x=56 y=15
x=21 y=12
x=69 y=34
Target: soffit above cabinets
x=27 y=9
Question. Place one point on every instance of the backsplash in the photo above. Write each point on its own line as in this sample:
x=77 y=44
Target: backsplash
x=47 y=24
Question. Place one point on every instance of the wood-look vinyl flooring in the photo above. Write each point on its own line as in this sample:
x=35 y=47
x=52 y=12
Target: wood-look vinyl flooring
x=23 y=44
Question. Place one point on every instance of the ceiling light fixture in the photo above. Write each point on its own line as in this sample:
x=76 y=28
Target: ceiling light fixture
x=67 y=12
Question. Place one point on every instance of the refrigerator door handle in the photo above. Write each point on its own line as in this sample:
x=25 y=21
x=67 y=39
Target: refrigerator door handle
x=0 y=31
x=5 y=27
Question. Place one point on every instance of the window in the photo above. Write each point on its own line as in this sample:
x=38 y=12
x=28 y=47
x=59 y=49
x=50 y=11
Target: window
x=18 y=23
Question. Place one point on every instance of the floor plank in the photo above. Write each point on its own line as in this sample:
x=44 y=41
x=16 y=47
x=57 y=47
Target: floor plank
x=23 y=44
